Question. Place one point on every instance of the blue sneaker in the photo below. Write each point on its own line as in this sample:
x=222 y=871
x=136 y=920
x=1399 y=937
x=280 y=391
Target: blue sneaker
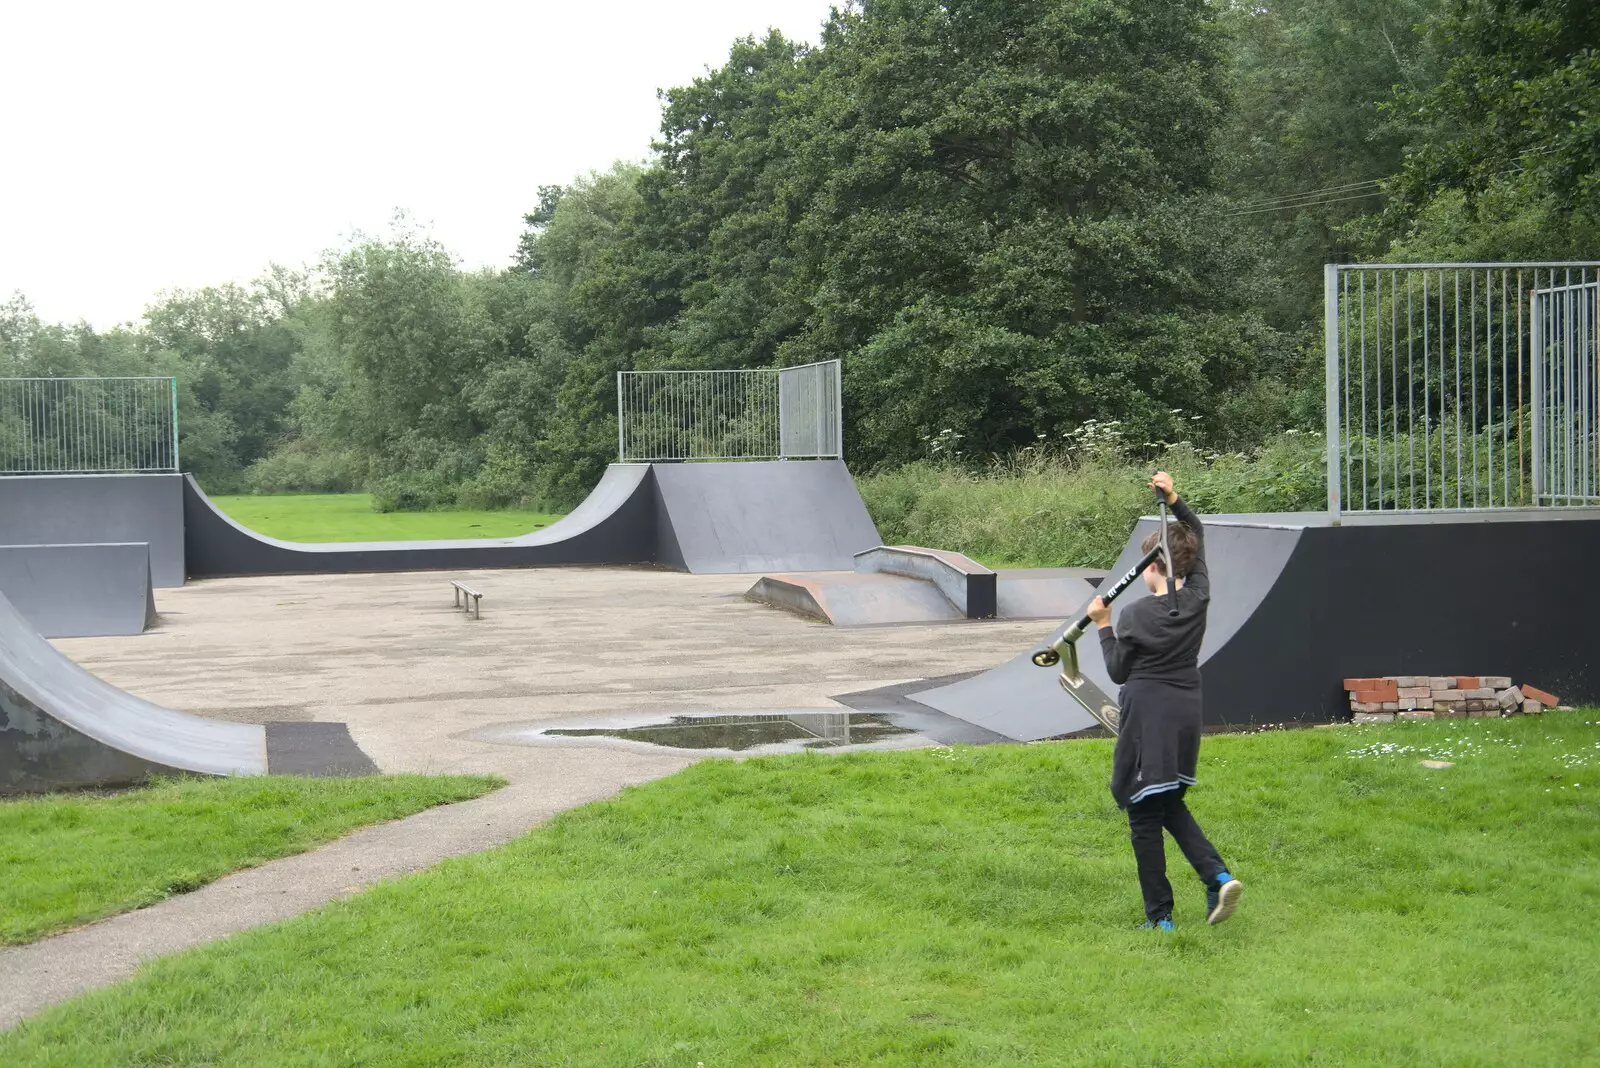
x=1163 y=924
x=1222 y=897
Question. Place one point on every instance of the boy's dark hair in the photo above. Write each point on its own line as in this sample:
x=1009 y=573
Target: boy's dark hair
x=1180 y=539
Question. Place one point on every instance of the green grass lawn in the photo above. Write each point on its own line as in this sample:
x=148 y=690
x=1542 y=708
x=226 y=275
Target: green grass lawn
x=946 y=906
x=71 y=858
x=349 y=517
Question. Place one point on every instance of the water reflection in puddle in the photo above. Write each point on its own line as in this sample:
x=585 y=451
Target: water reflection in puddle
x=740 y=731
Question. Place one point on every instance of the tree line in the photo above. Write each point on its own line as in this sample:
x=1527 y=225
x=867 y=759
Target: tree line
x=1007 y=217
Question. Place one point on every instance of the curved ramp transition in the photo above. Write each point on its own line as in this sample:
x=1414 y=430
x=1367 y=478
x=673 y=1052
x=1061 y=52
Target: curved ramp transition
x=1299 y=604
x=706 y=518
x=61 y=727
x=80 y=591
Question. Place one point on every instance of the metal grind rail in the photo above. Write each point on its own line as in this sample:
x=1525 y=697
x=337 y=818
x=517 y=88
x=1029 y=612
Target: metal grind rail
x=70 y=426
x=1461 y=386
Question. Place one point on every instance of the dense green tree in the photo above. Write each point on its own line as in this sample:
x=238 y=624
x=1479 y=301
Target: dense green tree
x=1007 y=217
x=1309 y=137
x=1506 y=159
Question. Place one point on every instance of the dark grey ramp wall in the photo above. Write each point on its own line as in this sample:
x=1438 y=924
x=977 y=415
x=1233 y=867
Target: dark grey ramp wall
x=1440 y=595
x=61 y=727
x=614 y=525
x=79 y=509
x=732 y=518
x=79 y=591
x=1025 y=702
x=1297 y=610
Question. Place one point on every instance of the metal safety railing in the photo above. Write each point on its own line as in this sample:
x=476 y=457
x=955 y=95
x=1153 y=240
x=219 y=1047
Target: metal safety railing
x=811 y=410
x=88 y=425
x=760 y=414
x=1457 y=386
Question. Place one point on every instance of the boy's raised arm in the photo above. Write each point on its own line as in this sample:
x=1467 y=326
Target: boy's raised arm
x=1187 y=516
x=1198 y=578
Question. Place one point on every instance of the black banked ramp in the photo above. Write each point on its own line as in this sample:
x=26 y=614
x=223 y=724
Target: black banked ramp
x=1299 y=604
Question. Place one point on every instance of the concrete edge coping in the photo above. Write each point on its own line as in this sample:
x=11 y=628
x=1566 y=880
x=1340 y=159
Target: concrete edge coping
x=965 y=583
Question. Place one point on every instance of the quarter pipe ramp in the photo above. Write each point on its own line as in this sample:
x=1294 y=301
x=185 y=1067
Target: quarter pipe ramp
x=1299 y=604
x=80 y=591
x=61 y=727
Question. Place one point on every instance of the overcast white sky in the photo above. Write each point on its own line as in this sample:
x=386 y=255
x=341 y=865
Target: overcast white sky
x=151 y=145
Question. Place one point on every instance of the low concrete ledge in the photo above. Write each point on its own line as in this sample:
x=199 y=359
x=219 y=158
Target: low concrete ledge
x=967 y=584
x=80 y=591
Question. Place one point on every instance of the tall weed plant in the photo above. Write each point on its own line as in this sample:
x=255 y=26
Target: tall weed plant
x=1074 y=505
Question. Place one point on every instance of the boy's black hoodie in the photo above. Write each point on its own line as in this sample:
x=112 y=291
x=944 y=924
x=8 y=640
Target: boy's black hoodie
x=1156 y=658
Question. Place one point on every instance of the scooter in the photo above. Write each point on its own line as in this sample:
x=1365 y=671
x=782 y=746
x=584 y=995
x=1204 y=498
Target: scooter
x=1064 y=650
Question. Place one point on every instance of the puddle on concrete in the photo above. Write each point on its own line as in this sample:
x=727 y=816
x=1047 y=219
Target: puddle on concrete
x=741 y=731
x=763 y=731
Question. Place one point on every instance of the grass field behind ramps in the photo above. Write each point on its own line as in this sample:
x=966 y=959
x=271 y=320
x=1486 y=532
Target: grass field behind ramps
x=318 y=517
x=945 y=906
x=72 y=858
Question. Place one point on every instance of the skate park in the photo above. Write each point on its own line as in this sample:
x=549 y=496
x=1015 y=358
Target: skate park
x=680 y=592
x=92 y=553
x=568 y=535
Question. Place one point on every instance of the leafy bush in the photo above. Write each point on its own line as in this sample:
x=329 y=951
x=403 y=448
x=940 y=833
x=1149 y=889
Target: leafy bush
x=299 y=468
x=503 y=481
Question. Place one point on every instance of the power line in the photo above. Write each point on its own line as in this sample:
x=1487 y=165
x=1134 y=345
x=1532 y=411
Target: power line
x=1304 y=204
x=1310 y=193
x=1311 y=198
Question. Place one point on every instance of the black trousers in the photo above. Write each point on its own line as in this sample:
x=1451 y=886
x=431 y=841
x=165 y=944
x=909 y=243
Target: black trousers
x=1146 y=819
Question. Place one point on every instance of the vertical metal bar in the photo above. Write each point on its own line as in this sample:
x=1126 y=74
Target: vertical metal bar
x=176 y=466
x=1522 y=460
x=1566 y=385
x=622 y=422
x=1536 y=391
x=1394 y=378
x=1472 y=303
x=1344 y=325
x=1411 y=416
x=1505 y=392
x=1362 y=319
x=1444 y=418
x=136 y=428
x=1378 y=384
x=1428 y=403
x=838 y=408
x=1459 y=425
x=1488 y=372
x=1330 y=397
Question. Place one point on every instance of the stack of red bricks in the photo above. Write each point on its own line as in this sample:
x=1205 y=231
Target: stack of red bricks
x=1428 y=696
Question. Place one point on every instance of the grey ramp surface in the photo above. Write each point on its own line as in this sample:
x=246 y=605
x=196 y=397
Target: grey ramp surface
x=1025 y=702
x=615 y=524
x=80 y=591
x=61 y=727
x=852 y=599
x=1045 y=592
x=1299 y=604
x=82 y=509
x=802 y=515
x=733 y=518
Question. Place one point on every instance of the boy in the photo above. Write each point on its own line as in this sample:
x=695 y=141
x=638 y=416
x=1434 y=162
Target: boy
x=1156 y=659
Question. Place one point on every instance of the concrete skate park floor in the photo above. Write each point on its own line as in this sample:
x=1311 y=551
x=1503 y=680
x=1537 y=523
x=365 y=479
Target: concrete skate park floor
x=412 y=676
x=415 y=680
